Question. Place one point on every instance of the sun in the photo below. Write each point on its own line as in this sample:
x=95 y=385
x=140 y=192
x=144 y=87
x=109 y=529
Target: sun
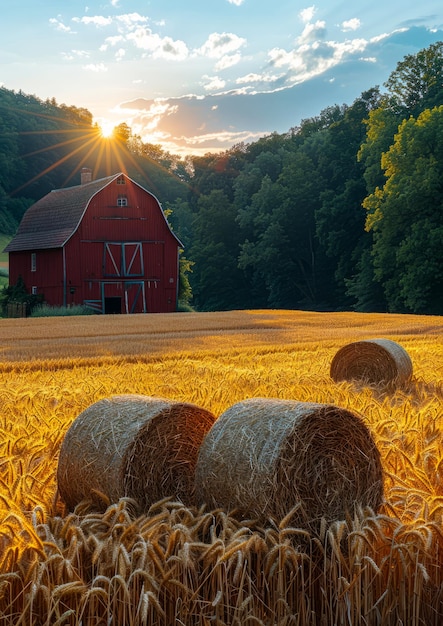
x=106 y=129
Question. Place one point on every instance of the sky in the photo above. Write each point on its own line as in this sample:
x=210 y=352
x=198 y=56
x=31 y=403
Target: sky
x=200 y=76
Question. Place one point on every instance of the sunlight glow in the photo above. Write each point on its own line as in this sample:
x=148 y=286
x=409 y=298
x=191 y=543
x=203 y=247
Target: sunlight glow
x=106 y=129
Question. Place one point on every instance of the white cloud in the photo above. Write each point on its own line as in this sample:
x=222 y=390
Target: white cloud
x=159 y=47
x=252 y=77
x=120 y=54
x=152 y=116
x=236 y=2
x=215 y=83
x=352 y=24
x=307 y=61
x=75 y=54
x=203 y=143
x=380 y=37
x=144 y=122
x=95 y=67
x=170 y=49
x=130 y=20
x=307 y=14
x=111 y=41
x=220 y=44
x=95 y=20
x=59 y=25
x=312 y=32
x=229 y=60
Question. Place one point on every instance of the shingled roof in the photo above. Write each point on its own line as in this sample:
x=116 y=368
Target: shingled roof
x=51 y=221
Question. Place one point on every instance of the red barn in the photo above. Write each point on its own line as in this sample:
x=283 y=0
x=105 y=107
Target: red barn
x=105 y=244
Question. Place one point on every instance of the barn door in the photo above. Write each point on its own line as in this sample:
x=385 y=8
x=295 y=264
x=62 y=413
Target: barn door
x=135 y=299
x=132 y=255
x=123 y=259
x=112 y=259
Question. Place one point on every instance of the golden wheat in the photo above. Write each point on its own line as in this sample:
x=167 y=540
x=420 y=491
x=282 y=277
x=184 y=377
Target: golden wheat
x=179 y=564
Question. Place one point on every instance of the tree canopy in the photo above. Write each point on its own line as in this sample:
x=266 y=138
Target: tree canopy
x=406 y=215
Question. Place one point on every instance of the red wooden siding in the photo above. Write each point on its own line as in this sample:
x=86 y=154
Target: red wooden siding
x=48 y=274
x=119 y=258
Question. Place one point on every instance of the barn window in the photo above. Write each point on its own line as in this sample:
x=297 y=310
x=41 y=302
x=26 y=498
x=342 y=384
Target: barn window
x=33 y=262
x=122 y=201
x=121 y=180
x=34 y=290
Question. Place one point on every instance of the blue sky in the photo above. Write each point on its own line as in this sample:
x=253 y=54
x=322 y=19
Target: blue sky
x=202 y=75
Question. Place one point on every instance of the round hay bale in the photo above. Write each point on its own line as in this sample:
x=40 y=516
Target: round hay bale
x=132 y=446
x=264 y=457
x=373 y=361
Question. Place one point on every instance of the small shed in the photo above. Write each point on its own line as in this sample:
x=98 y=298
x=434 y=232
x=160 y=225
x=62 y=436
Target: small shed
x=104 y=243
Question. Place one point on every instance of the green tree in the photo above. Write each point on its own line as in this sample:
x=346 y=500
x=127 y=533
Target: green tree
x=281 y=250
x=184 y=285
x=262 y=241
x=406 y=216
x=217 y=282
x=122 y=133
x=417 y=82
x=381 y=125
x=19 y=293
x=340 y=217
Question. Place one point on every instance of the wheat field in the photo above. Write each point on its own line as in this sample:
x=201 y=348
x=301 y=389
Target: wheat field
x=177 y=565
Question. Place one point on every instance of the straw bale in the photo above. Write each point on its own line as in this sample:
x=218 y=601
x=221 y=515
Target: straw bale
x=133 y=446
x=264 y=457
x=373 y=361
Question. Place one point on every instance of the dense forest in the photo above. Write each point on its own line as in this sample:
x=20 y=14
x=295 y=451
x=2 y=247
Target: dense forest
x=343 y=212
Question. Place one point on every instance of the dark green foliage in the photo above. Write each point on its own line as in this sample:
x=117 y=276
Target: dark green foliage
x=365 y=291
x=417 y=82
x=296 y=204
x=217 y=283
x=184 y=289
x=406 y=217
x=18 y=294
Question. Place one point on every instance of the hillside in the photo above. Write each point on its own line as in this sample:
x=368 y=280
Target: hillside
x=4 y=240
x=43 y=146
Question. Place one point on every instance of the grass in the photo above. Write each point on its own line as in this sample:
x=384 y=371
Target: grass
x=180 y=565
x=45 y=310
x=4 y=257
x=4 y=277
x=4 y=261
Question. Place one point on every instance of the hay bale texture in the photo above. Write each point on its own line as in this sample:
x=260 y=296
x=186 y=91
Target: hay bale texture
x=133 y=446
x=373 y=361
x=263 y=457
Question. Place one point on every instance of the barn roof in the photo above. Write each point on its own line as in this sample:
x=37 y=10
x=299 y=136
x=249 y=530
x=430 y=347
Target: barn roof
x=51 y=221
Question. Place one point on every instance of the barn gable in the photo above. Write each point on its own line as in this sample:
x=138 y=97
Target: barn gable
x=104 y=243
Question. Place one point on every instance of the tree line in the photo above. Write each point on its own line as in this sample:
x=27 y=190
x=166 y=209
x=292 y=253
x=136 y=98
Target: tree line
x=341 y=212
